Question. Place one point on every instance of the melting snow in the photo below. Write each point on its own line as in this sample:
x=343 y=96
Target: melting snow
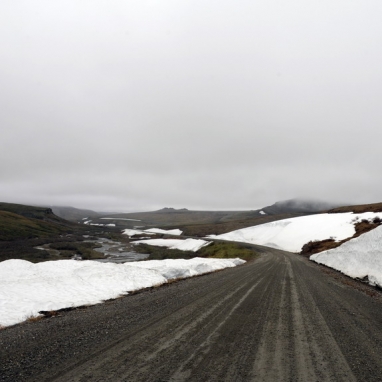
x=27 y=288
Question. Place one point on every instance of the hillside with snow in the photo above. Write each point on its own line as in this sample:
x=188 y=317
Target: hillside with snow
x=292 y=234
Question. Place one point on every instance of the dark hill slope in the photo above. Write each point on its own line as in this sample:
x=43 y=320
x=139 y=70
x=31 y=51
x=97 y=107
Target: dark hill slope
x=14 y=226
x=302 y=206
x=74 y=214
x=23 y=228
x=32 y=212
x=18 y=222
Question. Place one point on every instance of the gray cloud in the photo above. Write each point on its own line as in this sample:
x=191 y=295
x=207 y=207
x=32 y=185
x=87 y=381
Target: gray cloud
x=144 y=104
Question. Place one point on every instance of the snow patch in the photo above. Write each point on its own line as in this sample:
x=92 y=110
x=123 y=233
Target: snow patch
x=131 y=232
x=151 y=231
x=183 y=245
x=175 y=232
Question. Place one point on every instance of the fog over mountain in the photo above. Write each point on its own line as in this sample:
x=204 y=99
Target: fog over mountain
x=128 y=106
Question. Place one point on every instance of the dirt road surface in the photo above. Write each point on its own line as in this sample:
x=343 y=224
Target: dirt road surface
x=279 y=318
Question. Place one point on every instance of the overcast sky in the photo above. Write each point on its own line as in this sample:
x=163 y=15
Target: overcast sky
x=202 y=104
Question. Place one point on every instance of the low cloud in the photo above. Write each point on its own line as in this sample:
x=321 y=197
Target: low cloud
x=186 y=104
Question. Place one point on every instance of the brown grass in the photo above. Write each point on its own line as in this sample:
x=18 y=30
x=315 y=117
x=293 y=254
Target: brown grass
x=375 y=207
x=34 y=318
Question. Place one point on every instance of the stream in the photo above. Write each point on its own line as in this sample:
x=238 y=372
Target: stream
x=116 y=252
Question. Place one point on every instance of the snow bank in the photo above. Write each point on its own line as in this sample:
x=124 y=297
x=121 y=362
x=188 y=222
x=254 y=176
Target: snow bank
x=183 y=245
x=180 y=268
x=292 y=234
x=27 y=288
x=357 y=258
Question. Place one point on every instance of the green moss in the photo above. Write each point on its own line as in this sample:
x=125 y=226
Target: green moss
x=227 y=251
x=214 y=250
x=160 y=253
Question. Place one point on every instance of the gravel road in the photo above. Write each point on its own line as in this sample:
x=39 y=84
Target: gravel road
x=279 y=318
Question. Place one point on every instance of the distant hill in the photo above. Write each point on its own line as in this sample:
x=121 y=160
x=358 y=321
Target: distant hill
x=201 y=223
x=172 y=210
x=304 y=206
x=74 y=214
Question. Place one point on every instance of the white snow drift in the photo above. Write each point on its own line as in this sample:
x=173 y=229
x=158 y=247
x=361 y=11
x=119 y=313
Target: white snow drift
x=357 y=258
x=183 y=245
x=27 y=288
x=151 y=231
x=175 y=232
x=292 y=234
x=131 y=232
